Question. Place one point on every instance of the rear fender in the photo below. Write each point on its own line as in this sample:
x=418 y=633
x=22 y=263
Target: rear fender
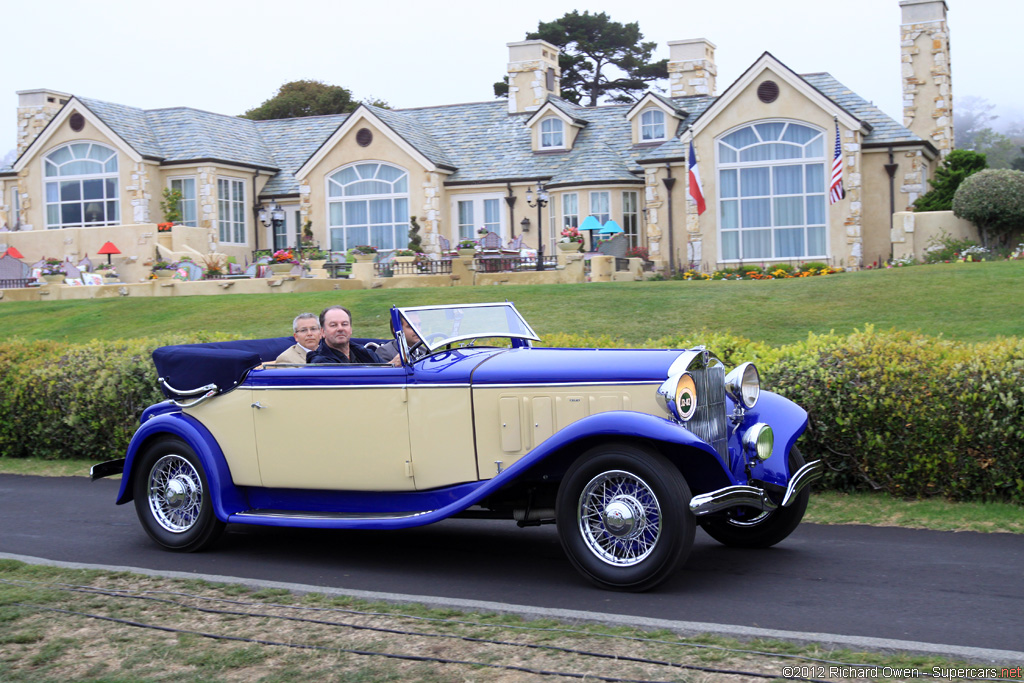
x=225 y=497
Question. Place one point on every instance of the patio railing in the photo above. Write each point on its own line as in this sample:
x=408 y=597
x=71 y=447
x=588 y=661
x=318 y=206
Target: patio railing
x=16 y=282
x=415 y=268
x=503 y=264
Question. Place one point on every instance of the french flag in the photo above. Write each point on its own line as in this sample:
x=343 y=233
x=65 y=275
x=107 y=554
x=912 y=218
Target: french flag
x=696 y=191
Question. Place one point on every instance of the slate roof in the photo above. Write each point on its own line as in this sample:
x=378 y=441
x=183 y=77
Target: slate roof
x=479 y=142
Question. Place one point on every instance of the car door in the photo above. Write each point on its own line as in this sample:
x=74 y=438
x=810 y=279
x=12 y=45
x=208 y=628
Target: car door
x=338 y=427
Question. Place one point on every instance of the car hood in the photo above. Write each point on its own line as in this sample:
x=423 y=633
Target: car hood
x=548 y=366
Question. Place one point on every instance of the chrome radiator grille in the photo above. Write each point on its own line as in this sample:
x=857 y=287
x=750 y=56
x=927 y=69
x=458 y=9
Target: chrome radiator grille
x=710 y=422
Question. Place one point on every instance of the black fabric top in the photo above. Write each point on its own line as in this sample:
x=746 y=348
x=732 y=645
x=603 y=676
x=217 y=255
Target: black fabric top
x=187 y=367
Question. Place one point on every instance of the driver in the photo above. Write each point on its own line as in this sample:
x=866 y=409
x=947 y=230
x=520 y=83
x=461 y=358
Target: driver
x=336 y=345
x=389 y=352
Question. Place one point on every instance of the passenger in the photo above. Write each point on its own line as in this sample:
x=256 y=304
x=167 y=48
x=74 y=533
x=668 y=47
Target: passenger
x=335 y=342
x=306 y=330
x=389 y=352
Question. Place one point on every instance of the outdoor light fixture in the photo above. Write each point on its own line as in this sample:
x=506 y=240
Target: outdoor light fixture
x=108 y=248
x=540 y=203
x=525 y=225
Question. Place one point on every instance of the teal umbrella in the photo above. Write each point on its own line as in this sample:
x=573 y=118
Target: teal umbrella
x=590 y=224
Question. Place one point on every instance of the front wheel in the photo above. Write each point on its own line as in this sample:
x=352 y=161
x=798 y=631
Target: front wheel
x=172 y=497
x=749 y=528
x=623 y=517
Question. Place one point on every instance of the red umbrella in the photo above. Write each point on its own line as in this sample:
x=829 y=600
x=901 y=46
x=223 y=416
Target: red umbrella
x=108 y=248
x=14 y=252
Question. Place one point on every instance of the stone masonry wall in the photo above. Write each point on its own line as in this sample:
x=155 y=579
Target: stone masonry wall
x=927 y=87
x=691 y=77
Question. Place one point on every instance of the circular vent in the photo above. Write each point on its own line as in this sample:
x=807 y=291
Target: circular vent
x=768 y=91
x=364 y=137
x=77 y=122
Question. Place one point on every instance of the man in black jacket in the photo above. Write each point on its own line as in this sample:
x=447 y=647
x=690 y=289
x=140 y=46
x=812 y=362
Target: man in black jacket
x=336 y=345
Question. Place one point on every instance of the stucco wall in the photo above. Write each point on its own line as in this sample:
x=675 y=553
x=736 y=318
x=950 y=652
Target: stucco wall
x=913 y=233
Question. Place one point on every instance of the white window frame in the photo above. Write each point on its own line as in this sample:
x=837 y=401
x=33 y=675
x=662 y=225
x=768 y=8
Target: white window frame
x=570 y=214
x=652 y=129
x=183 y=204
x=231 y=213
x=14 y=213
x=338 y=235
x=106 y=176
x=631 y=218
x=804 y=161
x=552 y=133
x=601 y=205
x=478 y=204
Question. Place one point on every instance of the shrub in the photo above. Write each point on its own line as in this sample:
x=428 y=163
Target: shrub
x=945 y=248
x=957 y=166
x=994 y=201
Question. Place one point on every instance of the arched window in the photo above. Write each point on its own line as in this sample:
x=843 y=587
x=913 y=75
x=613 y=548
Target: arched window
x=552 y=133
x=368 y=203
x=81 y=186
x=771 y=197
x=652 y=125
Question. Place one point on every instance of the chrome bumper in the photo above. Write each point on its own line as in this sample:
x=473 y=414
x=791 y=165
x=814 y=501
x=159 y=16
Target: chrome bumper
x=753 y=497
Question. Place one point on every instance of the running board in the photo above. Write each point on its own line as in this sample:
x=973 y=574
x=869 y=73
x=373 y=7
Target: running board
x=262 y=516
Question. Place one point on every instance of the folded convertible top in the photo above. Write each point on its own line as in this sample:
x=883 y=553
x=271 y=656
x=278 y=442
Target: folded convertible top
x=188 y=367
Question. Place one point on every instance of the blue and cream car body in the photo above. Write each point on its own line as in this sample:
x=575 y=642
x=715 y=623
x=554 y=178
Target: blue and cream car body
x=626 y=450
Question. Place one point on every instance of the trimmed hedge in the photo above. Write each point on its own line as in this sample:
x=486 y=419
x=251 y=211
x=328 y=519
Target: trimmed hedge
x=896 y=411
x=61 y=401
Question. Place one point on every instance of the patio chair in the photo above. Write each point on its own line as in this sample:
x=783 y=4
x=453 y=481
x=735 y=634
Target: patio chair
x=615 y=246
x=491 y=242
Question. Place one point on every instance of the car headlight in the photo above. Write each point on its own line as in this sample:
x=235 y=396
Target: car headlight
x=744 y=385
x=759 y=440
x=678 y=395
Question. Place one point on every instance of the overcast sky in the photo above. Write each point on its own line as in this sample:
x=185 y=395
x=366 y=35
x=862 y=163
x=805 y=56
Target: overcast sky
x=226 y=57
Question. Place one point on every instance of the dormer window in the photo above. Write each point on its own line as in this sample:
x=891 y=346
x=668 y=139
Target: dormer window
x=552 y=133
x=652 y=125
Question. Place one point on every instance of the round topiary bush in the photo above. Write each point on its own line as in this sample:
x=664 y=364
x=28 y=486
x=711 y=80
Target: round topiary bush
x=994 y=201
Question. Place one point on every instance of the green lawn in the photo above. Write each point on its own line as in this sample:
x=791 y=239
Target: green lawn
x=966 y=302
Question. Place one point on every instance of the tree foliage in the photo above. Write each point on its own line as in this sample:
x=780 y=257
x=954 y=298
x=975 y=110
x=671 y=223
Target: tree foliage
x=958 y=165
x=600 y=58
x=993 y=200
x=304 y=98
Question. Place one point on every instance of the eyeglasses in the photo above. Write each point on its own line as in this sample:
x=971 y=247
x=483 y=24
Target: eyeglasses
x=304 y=330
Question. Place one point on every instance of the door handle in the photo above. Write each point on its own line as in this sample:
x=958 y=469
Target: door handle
x=257 y=405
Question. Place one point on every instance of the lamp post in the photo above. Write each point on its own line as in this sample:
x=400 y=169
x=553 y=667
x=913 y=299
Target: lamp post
x=510 y=199
x=542 y=201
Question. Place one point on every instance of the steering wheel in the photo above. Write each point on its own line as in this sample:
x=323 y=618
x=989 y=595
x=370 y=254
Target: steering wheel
x=430 y=338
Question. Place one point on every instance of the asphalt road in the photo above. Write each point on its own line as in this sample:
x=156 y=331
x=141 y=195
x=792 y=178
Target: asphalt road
x=953 y=590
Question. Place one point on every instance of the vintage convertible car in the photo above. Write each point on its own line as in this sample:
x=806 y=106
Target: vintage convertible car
x=625 y=450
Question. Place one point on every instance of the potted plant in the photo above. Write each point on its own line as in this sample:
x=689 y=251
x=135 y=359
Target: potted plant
x=364 y=253
x=571 y=240
x=162 y=269
x=405 y=256
x=282 y=261
x=53 y=271
x=466 y=248
x=108 y=272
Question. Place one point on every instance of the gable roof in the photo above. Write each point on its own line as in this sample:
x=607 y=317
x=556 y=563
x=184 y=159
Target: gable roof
x=473 y=143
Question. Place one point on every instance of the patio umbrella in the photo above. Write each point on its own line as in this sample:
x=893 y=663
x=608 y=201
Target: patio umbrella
x=590 y=224
x=108 y=248
x=14 y=253
x=611 y=227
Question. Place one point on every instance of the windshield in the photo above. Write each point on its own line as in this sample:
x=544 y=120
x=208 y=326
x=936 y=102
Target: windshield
x=438 y=326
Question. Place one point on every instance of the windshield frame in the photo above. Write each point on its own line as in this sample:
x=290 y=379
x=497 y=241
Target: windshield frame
x=519 y=339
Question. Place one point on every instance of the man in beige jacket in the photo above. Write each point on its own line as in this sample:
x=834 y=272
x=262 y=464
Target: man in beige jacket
x=306 y=330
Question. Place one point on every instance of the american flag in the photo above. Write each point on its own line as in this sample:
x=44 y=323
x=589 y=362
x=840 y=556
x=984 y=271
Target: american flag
x=696 y=191
x=836 y=191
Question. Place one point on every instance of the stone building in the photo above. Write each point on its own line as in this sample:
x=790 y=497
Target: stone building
x=764 y=146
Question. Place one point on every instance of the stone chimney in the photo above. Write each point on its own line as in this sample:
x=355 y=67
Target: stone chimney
x=691 y=67
x=927 y=88
x=35 y=109
x=533 y=74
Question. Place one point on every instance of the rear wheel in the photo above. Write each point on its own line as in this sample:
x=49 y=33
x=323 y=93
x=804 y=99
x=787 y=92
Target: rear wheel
x=623 y=517
x=751 y=528
x=172 y=497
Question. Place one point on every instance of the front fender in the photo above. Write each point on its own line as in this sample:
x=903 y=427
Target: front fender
x=788 y=421
x=224 y=496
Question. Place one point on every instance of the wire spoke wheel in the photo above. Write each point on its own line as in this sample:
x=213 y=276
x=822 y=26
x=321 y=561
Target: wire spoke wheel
x=623 y=517
x=173 y=497
x=175 y=493
x=620 y=518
